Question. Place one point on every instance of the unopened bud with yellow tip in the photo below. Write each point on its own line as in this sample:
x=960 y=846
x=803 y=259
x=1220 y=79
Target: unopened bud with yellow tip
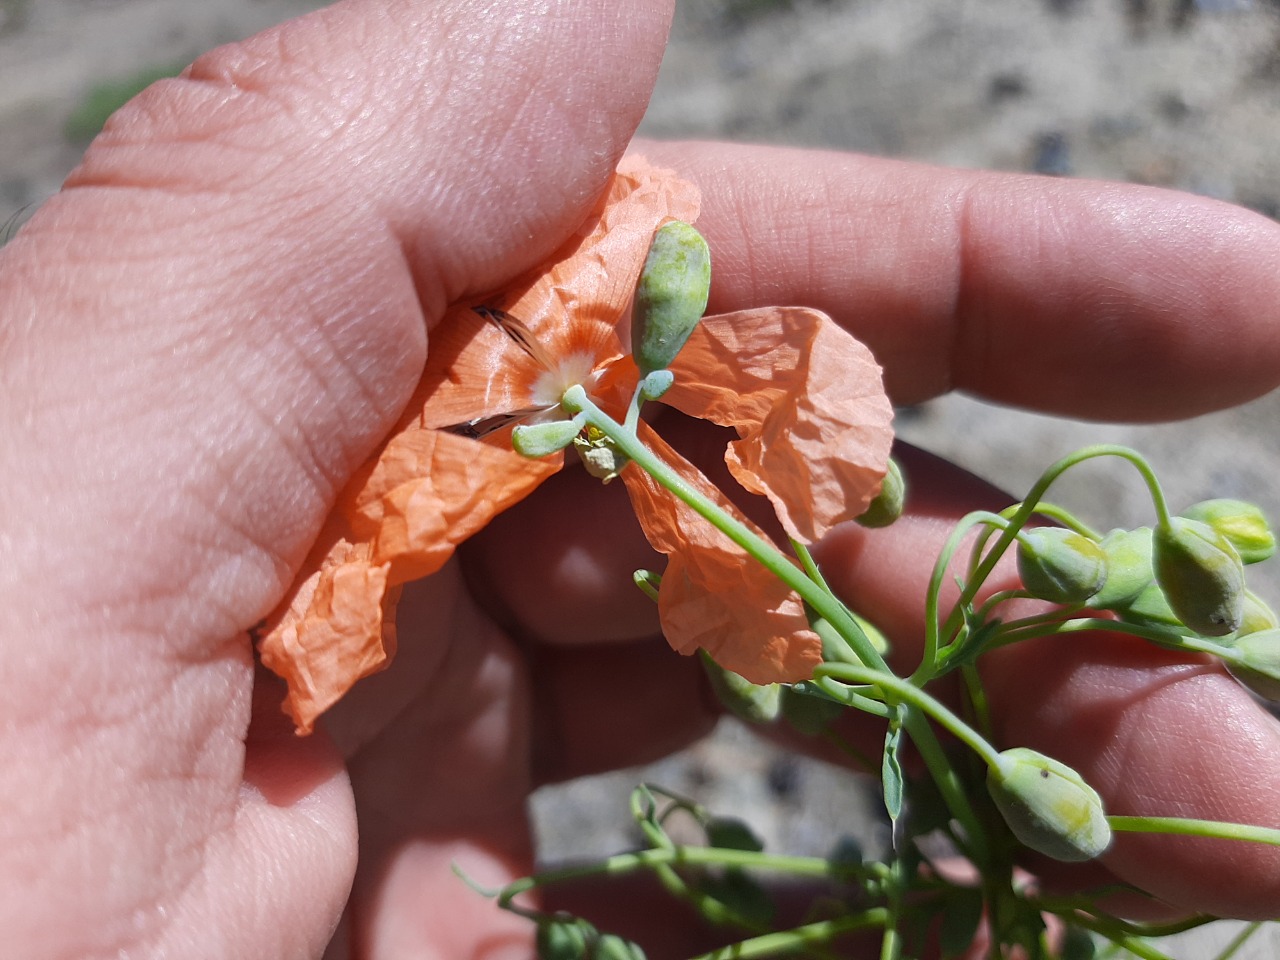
x=1201 y=575
x=1129 y=570
x=1060 y=565
x=1243 y=524
x=1048 y=806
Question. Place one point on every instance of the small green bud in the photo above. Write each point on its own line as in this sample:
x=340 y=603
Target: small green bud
x=748 y=701
x=541 y=439
x=564 y=939
x=730 y=833
x=1255 y=662
x=1201 y=575
x=1258 y=616
x=1242 y=523
x=656 y=383
x=671 y=295
x=1150 y=608
x=1048 y=806
x=1129 y=570
x=888 y=503
x=1060 y=565
x=610 y=946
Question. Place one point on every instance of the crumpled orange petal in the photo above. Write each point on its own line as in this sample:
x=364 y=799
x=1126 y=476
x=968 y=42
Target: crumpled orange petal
x=715 y=596
x=809 y=406
x=428 y=489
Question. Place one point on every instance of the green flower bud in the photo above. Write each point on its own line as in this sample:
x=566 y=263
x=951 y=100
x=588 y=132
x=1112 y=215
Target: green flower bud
x=610 y=946
x=656 y=383
x=1048 y=806
x=540 y=439
x=1201 y=575
x=730 y=833
x=1060 y=565
x=1150 y=609
x=888 y=503
x=1258 y=616
x=1129 y=570
x=1243 y=524
x=671 y=295
x=1255 y=662
x=564 y=939
x=745 y=700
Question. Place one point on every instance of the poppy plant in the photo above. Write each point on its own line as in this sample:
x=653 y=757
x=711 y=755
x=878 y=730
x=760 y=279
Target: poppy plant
x=805 y=398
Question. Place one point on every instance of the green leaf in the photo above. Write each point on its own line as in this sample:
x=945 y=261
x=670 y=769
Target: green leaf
x=891 y=776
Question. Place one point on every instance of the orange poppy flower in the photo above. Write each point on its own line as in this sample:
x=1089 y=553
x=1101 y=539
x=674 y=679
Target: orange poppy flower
x=805 y=398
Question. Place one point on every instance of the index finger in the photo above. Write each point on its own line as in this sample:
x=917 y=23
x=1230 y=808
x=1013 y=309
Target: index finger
x=1099 y=300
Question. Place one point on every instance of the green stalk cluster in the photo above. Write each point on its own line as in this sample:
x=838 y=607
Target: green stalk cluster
x=1178 y=583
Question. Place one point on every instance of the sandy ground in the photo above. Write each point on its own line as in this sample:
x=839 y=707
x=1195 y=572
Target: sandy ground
x=1185 y=95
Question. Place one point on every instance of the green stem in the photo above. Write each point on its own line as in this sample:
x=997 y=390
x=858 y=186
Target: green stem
x=624 y=863
x=921 y=708
x=799 y=938
x=1024 y=512
x=1239 y=940
x=576 y=401
x=909 y=693
x=1190 y=827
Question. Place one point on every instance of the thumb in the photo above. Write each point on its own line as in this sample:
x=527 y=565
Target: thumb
x=205 y=333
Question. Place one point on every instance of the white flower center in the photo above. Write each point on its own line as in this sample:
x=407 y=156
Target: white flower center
x=576 y=368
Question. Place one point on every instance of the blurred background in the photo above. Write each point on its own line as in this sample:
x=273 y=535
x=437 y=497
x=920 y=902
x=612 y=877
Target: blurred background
x=1177 y=93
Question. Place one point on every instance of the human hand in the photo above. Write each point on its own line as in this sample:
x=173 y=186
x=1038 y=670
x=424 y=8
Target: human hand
x=223 y=314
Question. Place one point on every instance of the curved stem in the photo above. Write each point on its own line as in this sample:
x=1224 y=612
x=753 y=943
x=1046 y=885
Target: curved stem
x=798 y=938
x=907 y=692
x=1191 y=827
x=575 y=400
x=1030 y=505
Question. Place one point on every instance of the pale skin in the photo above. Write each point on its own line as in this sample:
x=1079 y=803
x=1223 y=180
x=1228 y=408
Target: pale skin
x=224 y=312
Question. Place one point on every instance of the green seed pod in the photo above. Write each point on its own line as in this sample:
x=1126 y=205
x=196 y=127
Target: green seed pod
x=1201 y=575
x=671 y=295
x=1129 y=570
x=1060 y=565
x=888 y=503
x=541 y=439
x=1048 y=806
x=1255 y=662
x=1242 y=523
x=747 y=701
x=610 y=946
x=564 y=939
